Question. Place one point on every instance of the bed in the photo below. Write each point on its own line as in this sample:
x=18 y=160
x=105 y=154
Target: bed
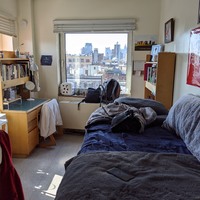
x=151 y=154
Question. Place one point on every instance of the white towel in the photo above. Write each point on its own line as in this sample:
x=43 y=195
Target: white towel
x=50 y=117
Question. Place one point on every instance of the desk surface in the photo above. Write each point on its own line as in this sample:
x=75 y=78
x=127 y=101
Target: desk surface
x=26 y=105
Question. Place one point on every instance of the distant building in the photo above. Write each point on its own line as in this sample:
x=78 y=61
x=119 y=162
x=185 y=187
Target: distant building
x=108 y=53
x=100 y=58
x=91 y=68
x=95 y=56
x=124 y=54
x=87 y=50
x=77 y=64
x=117 y=51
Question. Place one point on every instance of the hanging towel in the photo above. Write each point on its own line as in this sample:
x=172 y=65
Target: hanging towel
x=50 y=117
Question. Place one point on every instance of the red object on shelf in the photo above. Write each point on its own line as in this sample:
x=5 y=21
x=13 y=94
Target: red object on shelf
x=146 y=66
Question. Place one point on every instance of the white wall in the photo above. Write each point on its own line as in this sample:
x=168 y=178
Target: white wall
x=26 y=26
x=185 y=14
x=45 y=11
x=9 y=6
x=151 y=16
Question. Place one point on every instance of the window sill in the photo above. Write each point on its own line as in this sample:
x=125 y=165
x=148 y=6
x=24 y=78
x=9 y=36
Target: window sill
x=70 y=98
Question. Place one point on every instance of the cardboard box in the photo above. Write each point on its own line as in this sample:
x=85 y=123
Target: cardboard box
x=8 y=54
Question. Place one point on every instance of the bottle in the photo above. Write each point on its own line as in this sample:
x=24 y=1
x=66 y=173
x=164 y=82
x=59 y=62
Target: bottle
x=17 y=53
x=1 y=54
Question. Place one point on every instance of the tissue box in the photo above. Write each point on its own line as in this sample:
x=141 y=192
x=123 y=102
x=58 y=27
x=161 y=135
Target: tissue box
x=67 y=88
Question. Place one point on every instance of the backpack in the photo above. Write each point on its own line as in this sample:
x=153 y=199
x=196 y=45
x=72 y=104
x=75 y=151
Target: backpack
x=105 y=93
x=111 y=91
x=93 y=96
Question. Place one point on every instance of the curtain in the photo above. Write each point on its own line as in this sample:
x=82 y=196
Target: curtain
x=7 y=24
x=91 y=25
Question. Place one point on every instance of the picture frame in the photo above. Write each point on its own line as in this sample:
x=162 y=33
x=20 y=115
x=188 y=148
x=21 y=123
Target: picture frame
x=46 y=60
x=155 y=49
x=169 y=31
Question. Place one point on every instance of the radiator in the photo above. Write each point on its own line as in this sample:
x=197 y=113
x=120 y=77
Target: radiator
x=74 y=118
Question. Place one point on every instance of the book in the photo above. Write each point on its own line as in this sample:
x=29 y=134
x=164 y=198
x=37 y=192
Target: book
x=22 y=71
x=154 y=73
x=15 y=74
x=9 y=72
x=146 y=66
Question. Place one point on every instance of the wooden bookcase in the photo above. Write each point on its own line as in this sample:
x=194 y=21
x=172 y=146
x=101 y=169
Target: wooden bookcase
x=159 y=78
x=13 y=75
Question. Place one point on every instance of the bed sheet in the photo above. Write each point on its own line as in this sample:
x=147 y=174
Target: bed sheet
x=99 y=137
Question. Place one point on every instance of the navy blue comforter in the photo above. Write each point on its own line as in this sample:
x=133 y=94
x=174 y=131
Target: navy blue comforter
x=99 y=137
x=155 y=139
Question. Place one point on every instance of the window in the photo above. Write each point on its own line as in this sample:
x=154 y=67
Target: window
x=102 y=56
x=6 y=42
x=100 y=50
x=7 y=31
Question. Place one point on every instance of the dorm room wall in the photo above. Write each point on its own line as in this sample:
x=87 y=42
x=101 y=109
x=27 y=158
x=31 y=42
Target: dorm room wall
x=9 y=6
x=46 y=40
x=38 y=37
x=150 y=16
x=185 y=14
x=45 y=11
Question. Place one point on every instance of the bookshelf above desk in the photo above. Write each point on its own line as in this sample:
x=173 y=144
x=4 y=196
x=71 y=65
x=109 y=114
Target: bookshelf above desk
x=14 y=73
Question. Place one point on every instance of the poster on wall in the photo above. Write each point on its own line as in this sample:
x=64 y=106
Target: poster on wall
x=193 y=71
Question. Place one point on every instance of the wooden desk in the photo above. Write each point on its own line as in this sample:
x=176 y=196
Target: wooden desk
x=23 y=126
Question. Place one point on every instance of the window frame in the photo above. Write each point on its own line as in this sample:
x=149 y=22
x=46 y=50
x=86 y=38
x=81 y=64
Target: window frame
x=62 y=56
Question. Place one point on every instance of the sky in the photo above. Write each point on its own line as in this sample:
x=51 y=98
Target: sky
x=74 y=42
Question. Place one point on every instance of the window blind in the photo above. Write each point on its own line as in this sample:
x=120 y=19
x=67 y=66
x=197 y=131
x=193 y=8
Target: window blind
x=7 y=25
x=91 y=25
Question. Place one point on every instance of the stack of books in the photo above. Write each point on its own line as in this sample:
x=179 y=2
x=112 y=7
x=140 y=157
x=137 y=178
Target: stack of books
x=150 y=72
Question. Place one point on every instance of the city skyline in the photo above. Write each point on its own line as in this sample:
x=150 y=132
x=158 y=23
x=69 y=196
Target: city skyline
x=75 y=42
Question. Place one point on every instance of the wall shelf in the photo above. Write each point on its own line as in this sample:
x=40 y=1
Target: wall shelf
x=159 y=85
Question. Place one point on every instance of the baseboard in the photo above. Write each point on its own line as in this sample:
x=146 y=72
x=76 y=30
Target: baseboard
x=73 y=131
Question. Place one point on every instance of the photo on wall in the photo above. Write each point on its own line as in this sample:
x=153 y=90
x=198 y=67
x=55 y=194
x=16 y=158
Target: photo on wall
x=169 y=30
x=155 y=50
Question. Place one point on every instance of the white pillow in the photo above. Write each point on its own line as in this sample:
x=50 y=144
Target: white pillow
x=184 y=119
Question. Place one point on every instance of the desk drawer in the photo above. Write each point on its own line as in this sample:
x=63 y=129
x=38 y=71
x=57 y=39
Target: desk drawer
x=32 y=124
x=33 y=139
x=32 y=115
